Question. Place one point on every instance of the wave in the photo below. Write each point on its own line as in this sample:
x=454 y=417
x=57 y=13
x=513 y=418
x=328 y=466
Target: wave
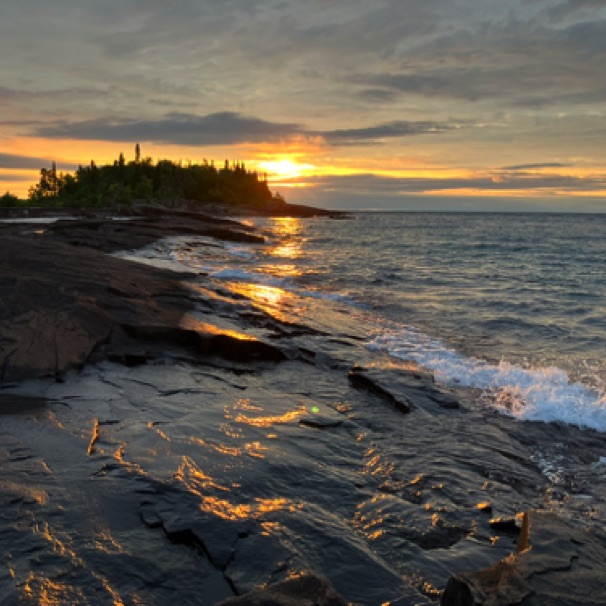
x=529 y=394
x=240 y=251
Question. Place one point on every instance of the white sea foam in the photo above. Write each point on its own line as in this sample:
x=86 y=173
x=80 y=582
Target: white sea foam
x=530 y=394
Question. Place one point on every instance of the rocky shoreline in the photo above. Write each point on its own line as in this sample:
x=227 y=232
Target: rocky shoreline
x=67 y=305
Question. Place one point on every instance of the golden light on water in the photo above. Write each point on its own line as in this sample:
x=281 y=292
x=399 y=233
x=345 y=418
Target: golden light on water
x=270 y=299
x=288 y=233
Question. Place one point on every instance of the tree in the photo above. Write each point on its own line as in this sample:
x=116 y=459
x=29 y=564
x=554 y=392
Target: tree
x=48 y=186
x=121 y=182
x=9 y=200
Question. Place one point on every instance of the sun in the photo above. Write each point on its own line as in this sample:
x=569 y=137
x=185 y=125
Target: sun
x=285 y=168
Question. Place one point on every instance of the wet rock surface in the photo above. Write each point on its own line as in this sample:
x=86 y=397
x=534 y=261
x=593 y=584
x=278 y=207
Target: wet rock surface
x=166 y=438
x=554 y=563
x=307 y=590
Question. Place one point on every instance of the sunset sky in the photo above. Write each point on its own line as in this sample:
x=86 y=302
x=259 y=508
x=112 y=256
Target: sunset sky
x=389 y=104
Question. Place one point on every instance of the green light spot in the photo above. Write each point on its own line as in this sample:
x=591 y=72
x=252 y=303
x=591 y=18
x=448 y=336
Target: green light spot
x=315 y=409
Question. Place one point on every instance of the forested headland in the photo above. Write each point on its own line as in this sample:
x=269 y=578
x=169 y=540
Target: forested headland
x=123 y=183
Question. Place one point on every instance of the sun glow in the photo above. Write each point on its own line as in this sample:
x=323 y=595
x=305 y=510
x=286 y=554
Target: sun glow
x=285 y=168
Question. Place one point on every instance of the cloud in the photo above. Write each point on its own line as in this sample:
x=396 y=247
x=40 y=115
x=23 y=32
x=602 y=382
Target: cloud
x=229 y=128
x=399 y=128
x=524 y=63
x=221 y=128
x=535 y=166
x=11 y=161
x=571 y=8
x=13 y=177
x=377 y=185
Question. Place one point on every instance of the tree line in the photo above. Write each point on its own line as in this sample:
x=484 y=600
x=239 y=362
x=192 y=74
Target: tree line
x=122 y=183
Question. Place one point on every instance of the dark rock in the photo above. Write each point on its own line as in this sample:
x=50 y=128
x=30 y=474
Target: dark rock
x=60 y=306
x=211 y=342
x=484 y=508
x=150 y=518
x=498 y=585
x=555 y=563
x=363 y=379
x=63 y=307
x=307 y=590
x=445 y=400
x=507 y=525
x=320 y=422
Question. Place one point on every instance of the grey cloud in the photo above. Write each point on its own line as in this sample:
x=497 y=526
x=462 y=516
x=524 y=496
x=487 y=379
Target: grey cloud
x=569 y=8
x=521 y=63
x=399 y=128
x=379 y=185
x=224 y=128
x=356 y=201
x=11 y=161
x=14 y=177
x=534 y=166
x=379 y=95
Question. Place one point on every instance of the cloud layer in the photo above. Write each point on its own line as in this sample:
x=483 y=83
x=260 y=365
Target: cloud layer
x=228 y=128
x=471 y=84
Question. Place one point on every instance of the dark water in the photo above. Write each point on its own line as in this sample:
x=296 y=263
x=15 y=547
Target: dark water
x=525 y=288
x=209 y=477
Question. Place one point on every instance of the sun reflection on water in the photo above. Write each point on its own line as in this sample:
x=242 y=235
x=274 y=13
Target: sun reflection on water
x=288 y=232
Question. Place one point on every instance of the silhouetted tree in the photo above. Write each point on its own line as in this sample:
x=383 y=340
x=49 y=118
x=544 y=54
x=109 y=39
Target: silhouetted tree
x=121 y=183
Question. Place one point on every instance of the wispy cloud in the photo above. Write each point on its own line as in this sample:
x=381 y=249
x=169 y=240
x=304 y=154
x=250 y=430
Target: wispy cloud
x=388 y=130
x=221 y=128
x=535 y=166
x=228 y=128
x=11 y=161
x=517 y=63
x=380 y=185
x=14 y=177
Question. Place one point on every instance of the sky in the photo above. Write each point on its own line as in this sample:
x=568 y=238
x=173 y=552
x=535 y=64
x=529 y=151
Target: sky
x=346 y=104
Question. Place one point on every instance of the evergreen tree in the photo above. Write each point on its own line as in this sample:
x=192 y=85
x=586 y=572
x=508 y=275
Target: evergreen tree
x=121 y=183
